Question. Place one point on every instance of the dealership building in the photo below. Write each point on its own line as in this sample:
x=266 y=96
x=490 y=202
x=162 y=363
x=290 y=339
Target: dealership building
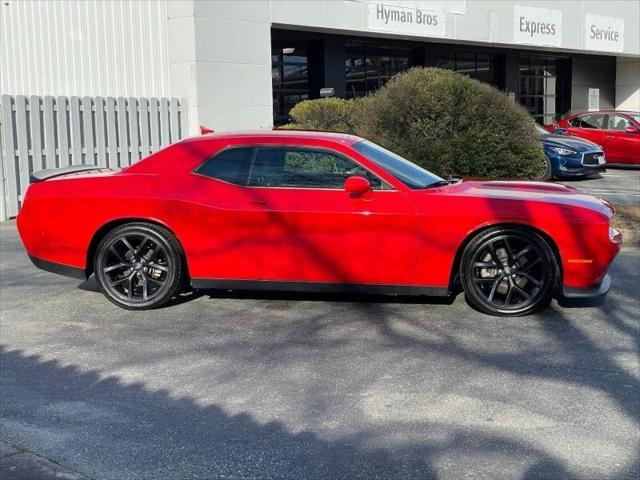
x=244 y=64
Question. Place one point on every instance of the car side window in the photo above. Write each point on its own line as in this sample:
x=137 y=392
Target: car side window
x=305 y=168
x=618 y=122
x=231 y=165
x=591 y=121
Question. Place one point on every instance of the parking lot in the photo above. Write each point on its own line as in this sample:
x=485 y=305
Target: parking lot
x=621 y=186
x=261 y=386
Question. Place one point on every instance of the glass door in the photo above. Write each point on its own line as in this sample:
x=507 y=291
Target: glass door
x=539 y=87
x=290 y=77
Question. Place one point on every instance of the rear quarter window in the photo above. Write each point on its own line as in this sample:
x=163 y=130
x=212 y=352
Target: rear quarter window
x=231 y=165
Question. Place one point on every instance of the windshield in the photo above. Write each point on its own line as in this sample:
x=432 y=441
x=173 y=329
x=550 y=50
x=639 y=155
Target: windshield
x=635 y=116
x=407 y=172
x=541 y=131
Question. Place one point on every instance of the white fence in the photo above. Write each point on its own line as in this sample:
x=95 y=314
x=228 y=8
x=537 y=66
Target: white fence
x=52 y=132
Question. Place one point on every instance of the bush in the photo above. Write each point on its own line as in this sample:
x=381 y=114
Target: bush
x=326 y=114
x=452 y=124
x=442 y=120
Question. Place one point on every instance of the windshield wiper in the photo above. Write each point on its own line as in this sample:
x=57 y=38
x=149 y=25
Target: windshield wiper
x=439 y=183
x=443 y=183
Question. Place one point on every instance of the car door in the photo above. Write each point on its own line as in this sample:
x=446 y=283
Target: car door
x=622 y=146
x=589 y=126
x=298 y=224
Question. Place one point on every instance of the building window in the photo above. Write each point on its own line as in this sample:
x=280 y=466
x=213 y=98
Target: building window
x=480 y=66
x=539 y=92
x=289 y=76
x=368 y=67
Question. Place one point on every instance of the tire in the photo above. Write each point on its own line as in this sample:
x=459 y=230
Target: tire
x=139 y=266
x=546 y=170
x=508 y=272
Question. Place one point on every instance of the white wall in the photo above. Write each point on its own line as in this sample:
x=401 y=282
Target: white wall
x=226 y=72
x=75 y=47
x=230 y=58
x=483 y=21
x=217 y=54
x=628 y=84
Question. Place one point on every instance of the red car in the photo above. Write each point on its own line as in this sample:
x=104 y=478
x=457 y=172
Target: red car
x=310 y=211
x=617 y=132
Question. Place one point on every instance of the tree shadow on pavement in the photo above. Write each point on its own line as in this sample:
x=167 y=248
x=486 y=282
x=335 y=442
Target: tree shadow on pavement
x=108 y=429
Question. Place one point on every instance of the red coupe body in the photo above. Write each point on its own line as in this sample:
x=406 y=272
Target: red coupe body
x=617 y=132
x=391 y=237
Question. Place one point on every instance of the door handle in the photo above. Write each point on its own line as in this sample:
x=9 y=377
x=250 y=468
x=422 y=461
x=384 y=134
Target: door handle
x=257 y=203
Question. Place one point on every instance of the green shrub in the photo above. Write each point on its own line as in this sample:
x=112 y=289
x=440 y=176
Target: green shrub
x=452 y=124
x=326 y=114
x=444 y=121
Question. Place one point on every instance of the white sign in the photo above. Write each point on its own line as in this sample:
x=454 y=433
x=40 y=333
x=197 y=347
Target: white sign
x=457 y=7
x=537 y=26
x=603 y=33
x=407 y=20
x=594 y=99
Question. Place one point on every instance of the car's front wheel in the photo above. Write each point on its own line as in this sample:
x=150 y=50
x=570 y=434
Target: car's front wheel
x=139 y=266
x=508 y=271
x=545 y=172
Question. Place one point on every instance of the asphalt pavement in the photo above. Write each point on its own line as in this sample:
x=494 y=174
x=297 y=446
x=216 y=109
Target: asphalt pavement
x=621 y=186
x=18 y=464
x=264 y=386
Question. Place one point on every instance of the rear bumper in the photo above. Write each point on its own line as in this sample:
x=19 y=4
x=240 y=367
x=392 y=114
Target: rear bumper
x=593 y=293
x=59 y=268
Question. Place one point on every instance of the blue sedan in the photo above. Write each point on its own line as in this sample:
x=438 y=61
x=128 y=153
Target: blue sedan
x=568 y=156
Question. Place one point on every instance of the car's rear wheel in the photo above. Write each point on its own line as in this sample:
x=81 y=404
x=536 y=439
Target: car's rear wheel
x=139 y=266
x=508 y=271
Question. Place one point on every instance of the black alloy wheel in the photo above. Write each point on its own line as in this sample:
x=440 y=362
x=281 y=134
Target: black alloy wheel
x=139 y=266
x=508 y=272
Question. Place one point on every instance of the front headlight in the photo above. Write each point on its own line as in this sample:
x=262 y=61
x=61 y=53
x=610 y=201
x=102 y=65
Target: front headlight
x=563 y=151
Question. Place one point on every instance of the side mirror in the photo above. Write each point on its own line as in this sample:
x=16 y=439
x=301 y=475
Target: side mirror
x=631 y=129
x=356 y=186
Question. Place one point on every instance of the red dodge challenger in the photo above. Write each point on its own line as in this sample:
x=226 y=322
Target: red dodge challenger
x=310 y=211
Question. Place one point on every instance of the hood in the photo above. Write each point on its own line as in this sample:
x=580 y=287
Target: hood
x=531 y=191
x=569 y=141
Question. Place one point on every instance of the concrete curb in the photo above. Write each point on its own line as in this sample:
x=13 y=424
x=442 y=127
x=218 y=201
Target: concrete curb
x=18 y=464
